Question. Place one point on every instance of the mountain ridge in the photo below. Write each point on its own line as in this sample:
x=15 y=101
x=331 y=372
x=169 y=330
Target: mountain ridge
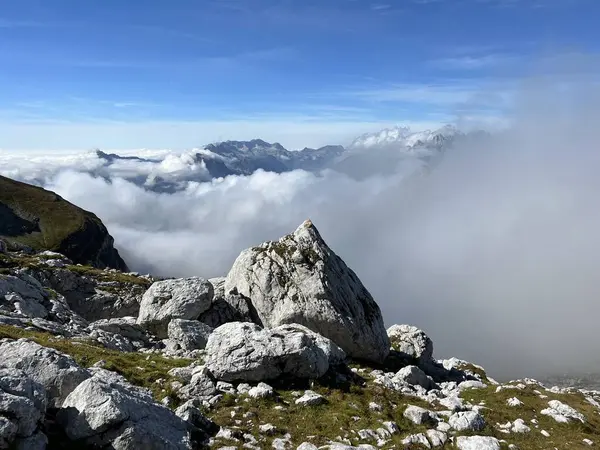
x=40 y=219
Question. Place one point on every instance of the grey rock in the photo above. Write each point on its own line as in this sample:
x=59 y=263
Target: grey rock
x=202 y=425
x=311 y=398
x=113 y=341
x=466 y=421
x=124 y=326
x=436 y=438
x=37 y=441
x=299 y=279
x=411 y=342
x=262 y=390
x=202 y=385
x=477 y=443
x=106 y=411
x=188 y=334
x=57 y=372
x=22 y=408
x=227 y=308
x=562 y=412
x=183 y=298
x=414 y=376
x=245 y=352
x=418 y=415
x=307 y=446
x=452 y=402
x=416 y=439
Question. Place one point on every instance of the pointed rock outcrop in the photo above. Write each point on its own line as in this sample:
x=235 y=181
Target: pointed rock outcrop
x=299 y=279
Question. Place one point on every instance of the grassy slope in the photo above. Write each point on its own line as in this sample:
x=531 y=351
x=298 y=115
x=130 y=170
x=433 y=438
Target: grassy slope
x=338 y=417
x=57 y=217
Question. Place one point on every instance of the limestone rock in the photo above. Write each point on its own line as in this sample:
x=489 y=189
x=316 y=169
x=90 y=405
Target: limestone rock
x=262 y=390
x=299 y=279
x=202 y=385
x=183 y=298
x=57 y=372
x=311 y=398
x=477 y=443
x=411 y=342
x=188 y=334
x=419 y=415
x=106 y=411
x=466 y=421
x=414 y=376
x=562 y=412
x=227 y=308
x=22 y=408
x=245 y=352
x=123 y=326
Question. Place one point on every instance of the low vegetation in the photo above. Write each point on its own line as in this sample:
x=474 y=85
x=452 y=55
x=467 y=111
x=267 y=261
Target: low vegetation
x=55 y=217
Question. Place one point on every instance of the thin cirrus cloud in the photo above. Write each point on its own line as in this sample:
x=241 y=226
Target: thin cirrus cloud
x=469 y=62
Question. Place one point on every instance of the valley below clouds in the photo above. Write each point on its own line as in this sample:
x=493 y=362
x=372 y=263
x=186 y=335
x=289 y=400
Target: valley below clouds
x=493 y=250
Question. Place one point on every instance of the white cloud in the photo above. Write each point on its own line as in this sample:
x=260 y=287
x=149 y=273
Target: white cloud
x=475 y=62
x=494 y=253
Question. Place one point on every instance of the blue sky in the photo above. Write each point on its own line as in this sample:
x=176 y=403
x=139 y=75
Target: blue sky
x=180 y=73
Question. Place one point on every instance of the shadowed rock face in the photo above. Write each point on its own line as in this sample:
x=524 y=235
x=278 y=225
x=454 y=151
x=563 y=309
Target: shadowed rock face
x=42 y=220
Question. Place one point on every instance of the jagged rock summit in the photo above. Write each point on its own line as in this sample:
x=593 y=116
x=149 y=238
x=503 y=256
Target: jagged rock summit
x=299 y=279
x=42 y=220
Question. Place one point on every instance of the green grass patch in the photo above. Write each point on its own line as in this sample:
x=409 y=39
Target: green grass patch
x=55 y=217
x=108 y=276
x=562 y=435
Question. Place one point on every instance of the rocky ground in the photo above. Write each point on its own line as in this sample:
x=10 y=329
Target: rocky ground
x=288 y=351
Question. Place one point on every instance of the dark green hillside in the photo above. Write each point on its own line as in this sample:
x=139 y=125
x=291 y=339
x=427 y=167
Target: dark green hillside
x=43 y=220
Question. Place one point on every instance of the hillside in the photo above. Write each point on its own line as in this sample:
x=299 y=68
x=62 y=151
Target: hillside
x=42 y=220
x=288 y=351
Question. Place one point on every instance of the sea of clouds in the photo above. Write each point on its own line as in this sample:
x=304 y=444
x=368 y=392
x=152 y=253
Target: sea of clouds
x=495 y=253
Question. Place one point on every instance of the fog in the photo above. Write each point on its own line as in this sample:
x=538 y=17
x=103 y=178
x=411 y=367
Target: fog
x=495 y=252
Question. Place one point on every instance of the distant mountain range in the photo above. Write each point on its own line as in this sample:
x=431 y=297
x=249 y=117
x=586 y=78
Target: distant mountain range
x=368 y=155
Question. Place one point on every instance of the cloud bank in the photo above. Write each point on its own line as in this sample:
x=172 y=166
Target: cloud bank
x=494 y=252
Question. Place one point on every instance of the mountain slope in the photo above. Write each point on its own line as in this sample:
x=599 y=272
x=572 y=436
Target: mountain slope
x=43 y=220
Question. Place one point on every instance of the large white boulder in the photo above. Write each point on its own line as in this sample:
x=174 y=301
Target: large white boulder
x=57 y=372
x=245 y=352
x=183 y=298
x=106 y=411
x=299 y=279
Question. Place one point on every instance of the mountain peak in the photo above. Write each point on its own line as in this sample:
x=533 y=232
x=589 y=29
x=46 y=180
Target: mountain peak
x=403 y=136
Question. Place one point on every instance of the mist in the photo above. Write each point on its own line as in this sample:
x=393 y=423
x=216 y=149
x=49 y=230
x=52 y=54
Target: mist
x=494 y=252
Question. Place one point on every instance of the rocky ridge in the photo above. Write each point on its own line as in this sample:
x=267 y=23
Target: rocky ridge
x=288 y=351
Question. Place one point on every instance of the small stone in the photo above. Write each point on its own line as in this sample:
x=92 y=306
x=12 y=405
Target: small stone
x=416 y=439
x=262 y=390
x=375 y=407
x=514 y=401
x=268 y=429
x=311 y=398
